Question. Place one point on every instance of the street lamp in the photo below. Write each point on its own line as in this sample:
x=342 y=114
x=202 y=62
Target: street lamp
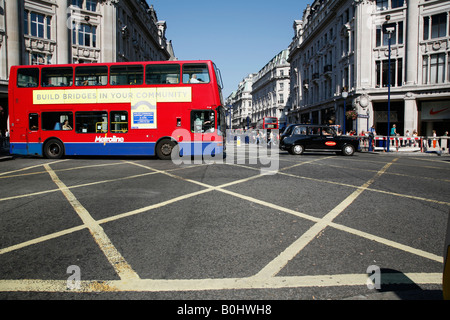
x=229 y=113
x=344 y=95
x=389 y=29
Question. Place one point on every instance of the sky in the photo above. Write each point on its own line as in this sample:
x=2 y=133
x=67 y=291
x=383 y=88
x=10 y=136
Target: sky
x=239 y=36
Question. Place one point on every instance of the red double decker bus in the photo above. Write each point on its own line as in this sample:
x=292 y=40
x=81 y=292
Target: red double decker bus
x=267 y=123
x=134 y=108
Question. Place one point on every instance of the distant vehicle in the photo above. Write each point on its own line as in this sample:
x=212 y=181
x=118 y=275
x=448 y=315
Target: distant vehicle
x=267 y=123
x=298 y=138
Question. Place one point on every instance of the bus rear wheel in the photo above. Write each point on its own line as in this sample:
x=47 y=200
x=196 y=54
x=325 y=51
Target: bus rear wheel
x=165 y=148
x=54 y=149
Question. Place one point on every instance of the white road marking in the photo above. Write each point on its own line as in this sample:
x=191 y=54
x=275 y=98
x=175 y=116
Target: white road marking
x=119 y=264
x=264 y=279
x=151 y=285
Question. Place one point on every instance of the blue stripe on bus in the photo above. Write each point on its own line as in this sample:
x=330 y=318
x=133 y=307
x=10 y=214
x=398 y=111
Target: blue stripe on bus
x=116 y=149
x=109 y=149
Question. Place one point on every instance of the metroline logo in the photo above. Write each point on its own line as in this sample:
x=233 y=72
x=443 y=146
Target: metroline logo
x=106 y=139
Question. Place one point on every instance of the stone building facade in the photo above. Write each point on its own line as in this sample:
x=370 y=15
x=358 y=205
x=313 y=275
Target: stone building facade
x=77 y=31
x=343 y=45
x=270 y=90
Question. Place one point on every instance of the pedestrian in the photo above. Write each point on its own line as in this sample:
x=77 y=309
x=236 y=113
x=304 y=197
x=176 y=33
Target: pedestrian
x=393 y=133
x=434 y=138
x=415 y=135
x=408 y=136
x=445 y=144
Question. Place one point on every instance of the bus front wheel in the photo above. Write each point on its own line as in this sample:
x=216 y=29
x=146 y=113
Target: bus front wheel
x=165 y=148
x=53 y=149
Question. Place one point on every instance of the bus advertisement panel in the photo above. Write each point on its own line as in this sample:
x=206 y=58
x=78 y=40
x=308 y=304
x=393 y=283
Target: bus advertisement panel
x=117 y=109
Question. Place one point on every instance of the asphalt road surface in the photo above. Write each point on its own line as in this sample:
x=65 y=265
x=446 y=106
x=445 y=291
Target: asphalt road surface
x=254 y=226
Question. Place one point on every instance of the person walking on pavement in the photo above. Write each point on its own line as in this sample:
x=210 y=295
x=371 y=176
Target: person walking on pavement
x=393 y=133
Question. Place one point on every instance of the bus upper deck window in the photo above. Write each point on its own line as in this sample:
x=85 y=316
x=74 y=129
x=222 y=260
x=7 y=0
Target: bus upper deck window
x=195 y=73
x=162 y=74
x=91 y=76
x=57 y=77
x=27 y=77
x=126 y=75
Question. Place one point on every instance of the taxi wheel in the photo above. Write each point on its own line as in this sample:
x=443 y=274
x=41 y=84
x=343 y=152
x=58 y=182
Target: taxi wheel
x=297 y=149
x=348 y=150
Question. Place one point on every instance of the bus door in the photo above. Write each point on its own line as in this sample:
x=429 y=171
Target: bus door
x=221 y=122
x=33 y=134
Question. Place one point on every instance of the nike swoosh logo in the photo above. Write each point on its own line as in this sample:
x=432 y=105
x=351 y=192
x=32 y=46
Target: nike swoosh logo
x=432 y=112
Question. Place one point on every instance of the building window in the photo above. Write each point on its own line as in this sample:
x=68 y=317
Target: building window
x=39 y=58
x=77 y=3
x=84 y=35
x=37 y=25
x=382 y=37
x=91 y=5
x=433 y=69
x=382 y=5
x=438 y=27
x=382 y=73
x=397 y=3
x=448 y=67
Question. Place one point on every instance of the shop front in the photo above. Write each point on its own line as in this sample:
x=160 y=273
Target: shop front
x=434 y=115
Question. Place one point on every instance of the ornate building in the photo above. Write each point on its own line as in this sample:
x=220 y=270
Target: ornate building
x=346 y=45
x=242 y=103
x=270 y=91
x=78 y=31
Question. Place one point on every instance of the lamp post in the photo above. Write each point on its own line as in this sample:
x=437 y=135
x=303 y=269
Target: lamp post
x=229 y=113
x=344 y=95
x=389 y=29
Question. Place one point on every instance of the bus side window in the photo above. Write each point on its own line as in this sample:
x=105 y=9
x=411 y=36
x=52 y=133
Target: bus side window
x=33 y=121
x=91 y=122
x=57 y=77
x=27 y=77
x=202 y=121
x=195 y=73
x=56 y=120
x=162 y=74
x=126 y=75
x=119 y=122
x=91 y=76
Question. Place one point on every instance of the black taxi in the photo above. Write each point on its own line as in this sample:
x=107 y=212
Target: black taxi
x=298 y=138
